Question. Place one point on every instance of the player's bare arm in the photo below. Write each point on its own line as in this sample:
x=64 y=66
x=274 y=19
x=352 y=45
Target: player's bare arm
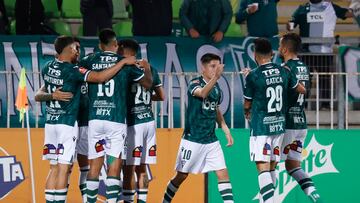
x=221 y=122
x=105 y=75
x=247 y=108
x=42 y=95
x=158 y=95
x=204 y=92
x=146 y=81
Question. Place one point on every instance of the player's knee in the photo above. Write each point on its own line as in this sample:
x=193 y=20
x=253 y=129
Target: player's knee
x=222 y=174
x=291 y=164
x=179 y=178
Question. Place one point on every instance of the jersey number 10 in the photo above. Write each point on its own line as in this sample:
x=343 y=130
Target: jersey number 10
x=275 y=95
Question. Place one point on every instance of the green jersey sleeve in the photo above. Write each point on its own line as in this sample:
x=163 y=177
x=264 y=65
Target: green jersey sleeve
x=156 y=78
x=249 y=87
x=194 y=84
x=340 y=12
x=79 y=74
x=293 y=81
x=136 y=73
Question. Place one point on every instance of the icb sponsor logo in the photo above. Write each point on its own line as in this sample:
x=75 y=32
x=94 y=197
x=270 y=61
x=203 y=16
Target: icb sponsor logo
x=11 y=173
x=316 y=161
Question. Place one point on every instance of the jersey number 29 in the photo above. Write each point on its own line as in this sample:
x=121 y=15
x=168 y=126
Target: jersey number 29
x=275 y=95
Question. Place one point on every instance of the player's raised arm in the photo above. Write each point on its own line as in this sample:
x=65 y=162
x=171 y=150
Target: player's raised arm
x=42 y=95
x=221 y=122
x=203 y=92
x=107 y=74
x=146 y=81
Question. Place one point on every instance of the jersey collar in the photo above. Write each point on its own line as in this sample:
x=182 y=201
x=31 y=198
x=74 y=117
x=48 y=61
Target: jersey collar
x=202 y=78
x=266 y=64
x=109 y=52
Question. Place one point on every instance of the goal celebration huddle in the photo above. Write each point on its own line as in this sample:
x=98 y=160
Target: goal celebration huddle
x=99 y=112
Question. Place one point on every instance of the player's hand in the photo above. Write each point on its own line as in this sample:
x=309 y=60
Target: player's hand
x=252 y=8
x=230 y=140
x=131 y=60
x=218 y=36
x=194 y=33
x=61 y=96
x=143 y=63
x=219 y=70
x=246 y=71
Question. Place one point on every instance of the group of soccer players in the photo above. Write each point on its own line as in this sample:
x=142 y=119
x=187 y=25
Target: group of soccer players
x=109 y=97
x=98 y=110
x=274 y=105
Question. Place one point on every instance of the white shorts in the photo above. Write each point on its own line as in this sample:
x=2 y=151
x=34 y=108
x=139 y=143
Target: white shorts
x=293 y=144
x=82 y=144
x=106 y=137
x=199 y=158
x=140 y=144
x=265 y=148
x=60 y=142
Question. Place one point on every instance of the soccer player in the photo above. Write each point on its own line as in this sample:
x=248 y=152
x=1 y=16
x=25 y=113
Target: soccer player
x=200 y=150
x=61 y=130
x=265 y=93
x=141 y=139
x=107 y=115
x=296 y=127
x=82 y=143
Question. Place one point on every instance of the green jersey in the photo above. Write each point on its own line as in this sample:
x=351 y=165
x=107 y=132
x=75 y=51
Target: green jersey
x=83 y=116
x=266 y=86
x=68 y=77
x=139 y=101
x=201 y=113
x=108 y=101
x=295 y=115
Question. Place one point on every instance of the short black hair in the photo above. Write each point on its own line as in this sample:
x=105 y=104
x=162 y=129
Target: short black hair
x=61 y=42
x=206 y=58
x=292 y=41
x=76 y=39
x=131 y=44
x=106 y=36
x=262 y=46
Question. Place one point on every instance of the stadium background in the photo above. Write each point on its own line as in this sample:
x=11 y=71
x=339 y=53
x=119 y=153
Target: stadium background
x=329 y=156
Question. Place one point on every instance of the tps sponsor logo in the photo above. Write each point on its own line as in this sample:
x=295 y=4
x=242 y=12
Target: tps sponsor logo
x=11 y=173
x=316 y=161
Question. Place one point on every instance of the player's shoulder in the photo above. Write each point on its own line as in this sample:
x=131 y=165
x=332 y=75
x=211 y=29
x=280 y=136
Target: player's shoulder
x=196 y=81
